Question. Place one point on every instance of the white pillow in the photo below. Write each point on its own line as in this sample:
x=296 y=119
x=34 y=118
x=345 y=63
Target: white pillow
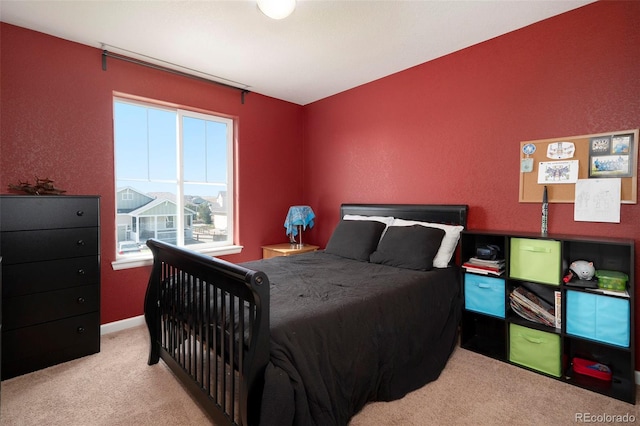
x=387 y=220
x=449 y=242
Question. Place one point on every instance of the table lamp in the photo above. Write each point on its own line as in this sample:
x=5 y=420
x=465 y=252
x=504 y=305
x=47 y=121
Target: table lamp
x=297 y=220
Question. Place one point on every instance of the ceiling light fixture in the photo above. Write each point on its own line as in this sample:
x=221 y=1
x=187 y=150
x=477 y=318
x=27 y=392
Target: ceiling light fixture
x=277 y=9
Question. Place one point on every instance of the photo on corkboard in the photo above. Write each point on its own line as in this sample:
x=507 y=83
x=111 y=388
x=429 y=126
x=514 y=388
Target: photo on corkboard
x=610 y=156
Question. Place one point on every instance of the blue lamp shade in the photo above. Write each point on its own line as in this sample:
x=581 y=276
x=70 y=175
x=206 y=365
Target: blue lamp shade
x=298 y=218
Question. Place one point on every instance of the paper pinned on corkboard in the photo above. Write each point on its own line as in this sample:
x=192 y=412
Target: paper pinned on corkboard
x=597 y=200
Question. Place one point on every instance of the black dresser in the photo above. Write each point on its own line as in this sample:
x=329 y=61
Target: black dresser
x=50 y=247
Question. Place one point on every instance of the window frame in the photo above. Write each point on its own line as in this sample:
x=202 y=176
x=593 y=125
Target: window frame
x=229 y=246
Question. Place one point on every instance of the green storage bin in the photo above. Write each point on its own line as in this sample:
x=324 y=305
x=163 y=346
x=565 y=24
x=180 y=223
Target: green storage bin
x=535 y=349
x=535 y=260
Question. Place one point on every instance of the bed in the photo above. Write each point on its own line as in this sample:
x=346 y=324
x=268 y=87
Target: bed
x=310 y=339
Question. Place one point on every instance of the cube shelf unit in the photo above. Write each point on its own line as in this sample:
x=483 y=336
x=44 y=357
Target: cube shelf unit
x=595 y=325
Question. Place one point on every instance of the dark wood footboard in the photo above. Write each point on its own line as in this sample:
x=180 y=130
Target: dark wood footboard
x=209 y=321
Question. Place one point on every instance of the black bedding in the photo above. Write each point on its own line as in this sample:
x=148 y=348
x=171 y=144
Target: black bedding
x=327 y=362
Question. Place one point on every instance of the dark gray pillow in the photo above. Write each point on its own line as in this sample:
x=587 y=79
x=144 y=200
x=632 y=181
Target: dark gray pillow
x=409 y=247
x=355 y=239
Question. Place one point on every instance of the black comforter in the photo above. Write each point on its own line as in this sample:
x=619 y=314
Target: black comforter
x=345 y=332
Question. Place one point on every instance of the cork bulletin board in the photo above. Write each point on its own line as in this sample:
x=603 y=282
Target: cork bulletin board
x=602 y=155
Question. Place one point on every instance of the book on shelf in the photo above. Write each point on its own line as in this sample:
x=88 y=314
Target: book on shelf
x=485 y=267
x=486 y=262
x=529 y=306
x=558 y=308
x=482 y=271
x=607 y=292
x=528 y=314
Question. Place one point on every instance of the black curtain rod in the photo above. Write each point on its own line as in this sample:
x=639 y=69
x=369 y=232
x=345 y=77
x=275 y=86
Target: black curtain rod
x=106 y=53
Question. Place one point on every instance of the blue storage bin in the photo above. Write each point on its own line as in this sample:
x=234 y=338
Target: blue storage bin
x=484 y=294
x=598 y=317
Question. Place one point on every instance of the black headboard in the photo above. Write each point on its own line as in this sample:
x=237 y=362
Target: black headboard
x=452 y=214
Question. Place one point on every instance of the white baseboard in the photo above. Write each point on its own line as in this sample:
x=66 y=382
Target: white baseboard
x=112 y=327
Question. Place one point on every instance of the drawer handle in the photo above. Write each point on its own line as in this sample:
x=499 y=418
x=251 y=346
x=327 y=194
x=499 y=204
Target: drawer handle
x=536 y=249
x=484 y=286
x=81 y=271
x=79 y=213
x=80 y=242
x=81 y=300
x=532 y=339
x=80 y=330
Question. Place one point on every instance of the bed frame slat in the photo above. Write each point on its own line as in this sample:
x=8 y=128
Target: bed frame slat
x=211 y=326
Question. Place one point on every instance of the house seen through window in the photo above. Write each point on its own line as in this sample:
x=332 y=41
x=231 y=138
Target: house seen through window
x=173 y=176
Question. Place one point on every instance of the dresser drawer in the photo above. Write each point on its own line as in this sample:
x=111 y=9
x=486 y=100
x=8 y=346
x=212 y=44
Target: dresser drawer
x=32 y=348
x=36 y=277
x=24 y=212
x=34 y=246
x=37 y=308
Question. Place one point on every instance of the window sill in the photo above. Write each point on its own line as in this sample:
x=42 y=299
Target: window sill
x=147 y=260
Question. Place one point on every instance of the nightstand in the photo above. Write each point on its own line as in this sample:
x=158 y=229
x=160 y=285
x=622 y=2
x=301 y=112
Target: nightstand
x=286 y=249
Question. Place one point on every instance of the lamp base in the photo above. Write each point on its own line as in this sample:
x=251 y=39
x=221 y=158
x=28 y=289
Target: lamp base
x=292 y=239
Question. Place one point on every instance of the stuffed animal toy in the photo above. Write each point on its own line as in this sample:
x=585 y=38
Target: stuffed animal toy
x=583 y=269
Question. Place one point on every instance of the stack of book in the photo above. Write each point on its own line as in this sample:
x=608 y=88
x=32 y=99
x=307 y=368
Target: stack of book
x=531 y=307
x=484 y=267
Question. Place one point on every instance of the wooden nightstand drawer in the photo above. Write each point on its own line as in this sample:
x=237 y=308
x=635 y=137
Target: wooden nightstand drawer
x=286 y=249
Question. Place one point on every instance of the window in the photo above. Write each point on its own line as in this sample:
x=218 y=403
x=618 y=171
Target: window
x=170 y=160
x=127 y=195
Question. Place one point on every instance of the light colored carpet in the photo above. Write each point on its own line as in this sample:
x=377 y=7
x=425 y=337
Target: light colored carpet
x=116 y=387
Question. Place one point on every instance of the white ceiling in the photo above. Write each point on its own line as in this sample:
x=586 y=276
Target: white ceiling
x=323 y=48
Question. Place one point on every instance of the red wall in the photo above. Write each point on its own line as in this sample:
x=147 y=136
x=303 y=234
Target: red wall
x=449 y=131
x=446 y=131
x=56 y=113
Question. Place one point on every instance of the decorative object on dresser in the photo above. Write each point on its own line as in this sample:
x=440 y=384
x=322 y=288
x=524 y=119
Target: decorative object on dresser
x=244 y=339
x=286 y=249
x=41 y=187
x=541 y=316
x=297 y=220
x=50 y=249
